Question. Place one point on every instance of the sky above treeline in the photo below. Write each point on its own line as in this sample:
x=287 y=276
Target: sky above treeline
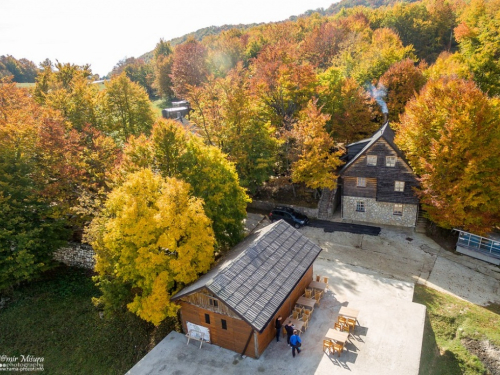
x=102 y=32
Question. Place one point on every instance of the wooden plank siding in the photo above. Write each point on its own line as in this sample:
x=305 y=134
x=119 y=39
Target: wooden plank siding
x=234 y=338
x=236 y=335
x=384 y=176
x=351 y=188
x=285 y=311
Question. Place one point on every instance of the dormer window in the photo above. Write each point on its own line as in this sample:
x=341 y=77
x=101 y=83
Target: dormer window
x=390 y=161
x=371 y=160
x=361 y=182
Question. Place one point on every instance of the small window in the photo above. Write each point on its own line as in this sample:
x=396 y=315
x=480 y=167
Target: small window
x=361 y=182
x=214 y=302
x=360 y=206
x=390 y=161
x=398 y=210
x=207 y=318
x=371 y=160
x=224 y=324
x=399 y=186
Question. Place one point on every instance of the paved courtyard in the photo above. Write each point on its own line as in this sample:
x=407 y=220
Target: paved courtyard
x=389 y=337
x=375 y=274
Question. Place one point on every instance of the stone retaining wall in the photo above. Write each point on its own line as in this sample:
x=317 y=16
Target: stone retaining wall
x=268 y=206
x=76 y=254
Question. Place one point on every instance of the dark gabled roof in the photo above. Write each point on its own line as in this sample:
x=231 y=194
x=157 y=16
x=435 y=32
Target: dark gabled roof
x=259 y=274
x=384 y=132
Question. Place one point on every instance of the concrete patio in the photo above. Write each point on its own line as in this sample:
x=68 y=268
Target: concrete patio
x=388 y=340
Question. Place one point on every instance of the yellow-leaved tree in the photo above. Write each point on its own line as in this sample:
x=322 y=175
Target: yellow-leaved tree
x=151 y=239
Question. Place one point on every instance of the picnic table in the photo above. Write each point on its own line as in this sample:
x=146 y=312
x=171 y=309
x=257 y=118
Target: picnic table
x=306 y=302
x=317 y=285
x=338 y=336
x=349 y=312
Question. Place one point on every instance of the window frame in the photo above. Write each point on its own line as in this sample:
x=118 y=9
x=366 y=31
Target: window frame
x=358 y=182
x=360 y=206
x=399 y=186
x=368 y=160
x=387 y=158
x=396 y=212
x=207 y=318
x=223 y=323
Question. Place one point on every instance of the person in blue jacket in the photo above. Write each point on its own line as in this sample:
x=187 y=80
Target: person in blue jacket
x=295 y=341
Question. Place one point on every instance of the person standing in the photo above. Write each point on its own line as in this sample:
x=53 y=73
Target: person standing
x=296 y=342
x=278 y=328
x=289 y=331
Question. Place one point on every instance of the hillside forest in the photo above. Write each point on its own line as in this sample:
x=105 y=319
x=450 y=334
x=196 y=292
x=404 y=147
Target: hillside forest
x=159 y=201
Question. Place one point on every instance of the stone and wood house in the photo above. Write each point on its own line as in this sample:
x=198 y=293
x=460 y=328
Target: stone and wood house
x=377 y=184
x=236 y=303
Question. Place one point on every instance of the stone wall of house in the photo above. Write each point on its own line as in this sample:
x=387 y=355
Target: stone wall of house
x=378 y=212
x=268 y=206
x=76 y=254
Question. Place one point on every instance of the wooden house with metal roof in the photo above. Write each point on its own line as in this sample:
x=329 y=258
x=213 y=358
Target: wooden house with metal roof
x=377 y=183
x=237 y=302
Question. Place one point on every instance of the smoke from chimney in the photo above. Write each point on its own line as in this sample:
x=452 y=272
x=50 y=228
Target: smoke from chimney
x=378 y=93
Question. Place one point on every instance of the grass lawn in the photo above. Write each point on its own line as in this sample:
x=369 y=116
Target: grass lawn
x=449 y=323
x=158 y=105
x=54 y=318
x=25 y=85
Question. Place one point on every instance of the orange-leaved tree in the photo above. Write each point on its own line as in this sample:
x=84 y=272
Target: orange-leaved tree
x=317 y=162
x=189 y=67
x=450 y=134
x=402 y=80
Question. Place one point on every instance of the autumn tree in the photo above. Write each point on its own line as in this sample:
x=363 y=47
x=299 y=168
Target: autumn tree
x=323 y=43
x=22 y=70
x=449 y=65
x=427 y=26
x=174 y=152
x=94 y=155
x=402 y=81
x=68 y=88
x=479 y=42
x=189 y=67
x=163 y=61
x=126 y=109
x=369 y=63
x=282 y=86
x=317 y=162
x=348 y=105
x=226 y=114
x=138 y=71
x=31 y=227
x=450 y=134
x=224 y=51
x=151 y=239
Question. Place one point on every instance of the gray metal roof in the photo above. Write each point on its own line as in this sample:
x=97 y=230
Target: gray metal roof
x=259 y=274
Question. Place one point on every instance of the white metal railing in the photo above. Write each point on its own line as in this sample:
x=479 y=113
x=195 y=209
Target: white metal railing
x=477 y=243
